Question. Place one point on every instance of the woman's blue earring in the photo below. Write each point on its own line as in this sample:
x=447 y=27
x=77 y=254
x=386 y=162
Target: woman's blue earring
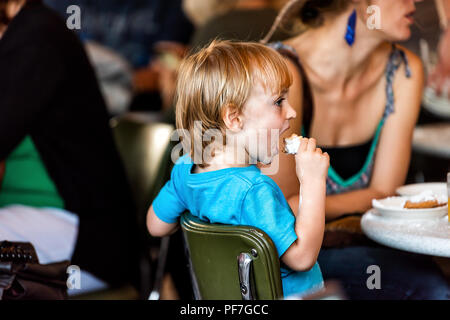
x=351 y=28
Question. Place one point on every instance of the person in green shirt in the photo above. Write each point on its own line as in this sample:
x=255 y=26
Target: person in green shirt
x=26 y=180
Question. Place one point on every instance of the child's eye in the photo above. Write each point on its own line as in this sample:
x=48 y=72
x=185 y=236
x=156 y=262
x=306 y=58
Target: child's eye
x=279 y=102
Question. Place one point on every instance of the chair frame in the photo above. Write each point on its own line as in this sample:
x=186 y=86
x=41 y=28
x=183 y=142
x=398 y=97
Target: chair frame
x=261 y=244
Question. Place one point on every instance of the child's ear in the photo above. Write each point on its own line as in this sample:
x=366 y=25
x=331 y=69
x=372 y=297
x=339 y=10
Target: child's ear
x=232 y=118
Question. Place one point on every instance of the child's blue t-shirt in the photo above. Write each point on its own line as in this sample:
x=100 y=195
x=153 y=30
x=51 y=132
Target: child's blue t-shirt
x=236 y=196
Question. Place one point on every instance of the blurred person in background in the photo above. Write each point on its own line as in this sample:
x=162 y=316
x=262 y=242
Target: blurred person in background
x=146 y=34
x=440 y=78
x=244 y=20
x=64 y=188
x=359 y=95
x=131 y=29
x=200 y=11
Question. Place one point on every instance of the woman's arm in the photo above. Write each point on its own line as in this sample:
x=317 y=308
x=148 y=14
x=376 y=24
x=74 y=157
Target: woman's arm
x=394 y=149
x=347 y=203
x=358 y=201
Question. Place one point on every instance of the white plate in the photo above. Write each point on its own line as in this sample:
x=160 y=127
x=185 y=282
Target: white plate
x=392 y=207
x=413 y=189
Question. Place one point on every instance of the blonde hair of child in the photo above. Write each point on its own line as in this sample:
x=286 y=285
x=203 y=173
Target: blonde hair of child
x=221 y=76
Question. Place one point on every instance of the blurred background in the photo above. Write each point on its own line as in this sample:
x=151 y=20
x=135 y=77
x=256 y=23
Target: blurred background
x=136 y=46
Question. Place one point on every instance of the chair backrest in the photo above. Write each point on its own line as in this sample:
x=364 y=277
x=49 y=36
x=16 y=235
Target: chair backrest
x=145 y=147
x=231 y=262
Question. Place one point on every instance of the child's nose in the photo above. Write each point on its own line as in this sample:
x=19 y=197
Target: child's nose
x=290 y=112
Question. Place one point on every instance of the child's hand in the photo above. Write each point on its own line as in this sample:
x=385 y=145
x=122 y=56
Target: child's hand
x=311 y=163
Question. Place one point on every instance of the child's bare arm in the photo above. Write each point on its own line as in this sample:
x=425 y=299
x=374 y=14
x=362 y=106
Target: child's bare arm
x=157 y=227
x=312 y=166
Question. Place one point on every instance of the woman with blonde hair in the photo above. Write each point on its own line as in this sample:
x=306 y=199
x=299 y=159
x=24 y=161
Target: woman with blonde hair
x=358 y=94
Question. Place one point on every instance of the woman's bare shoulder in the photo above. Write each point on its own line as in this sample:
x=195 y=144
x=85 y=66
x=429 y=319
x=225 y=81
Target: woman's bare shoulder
x=409 y=84
x=414 y=63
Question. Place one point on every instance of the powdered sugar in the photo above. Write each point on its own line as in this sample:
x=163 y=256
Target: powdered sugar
x=291 y=144
x=428 y=195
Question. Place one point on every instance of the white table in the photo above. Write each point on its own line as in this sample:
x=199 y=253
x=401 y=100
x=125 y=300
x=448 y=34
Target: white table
x=430 y=237
x=433 y=139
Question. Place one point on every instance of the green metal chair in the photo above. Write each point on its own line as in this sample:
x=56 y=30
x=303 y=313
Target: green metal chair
x=144 y=144
x=231 y=262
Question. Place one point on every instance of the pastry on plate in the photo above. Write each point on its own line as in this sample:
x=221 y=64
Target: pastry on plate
x=425 y=200
x=423 y=204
